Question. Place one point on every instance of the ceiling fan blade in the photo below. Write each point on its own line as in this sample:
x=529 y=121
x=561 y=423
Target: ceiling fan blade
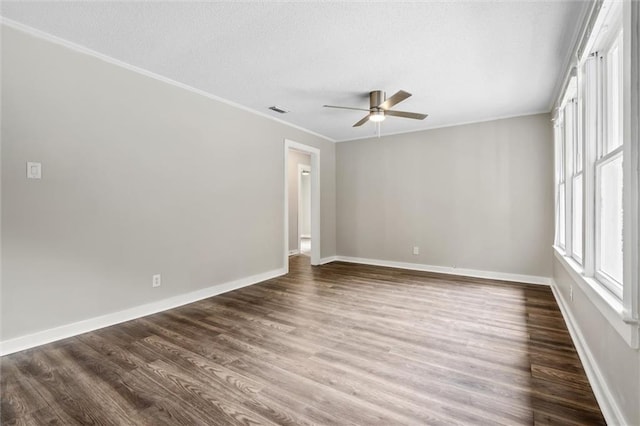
x=400 y=96
x=361 y=122
x=342 y=107
x=404 y=114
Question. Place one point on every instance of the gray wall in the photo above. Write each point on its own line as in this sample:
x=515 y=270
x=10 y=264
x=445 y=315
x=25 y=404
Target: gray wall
x=476 y=196
x=295 y=158
x=616 y=360
x=139 y=177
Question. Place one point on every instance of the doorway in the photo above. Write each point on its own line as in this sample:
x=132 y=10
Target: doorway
x=304 y=210
x=313 y=169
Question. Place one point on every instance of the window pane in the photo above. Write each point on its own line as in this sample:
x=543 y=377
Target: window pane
x=577 y=217
x=568 y=136
x=610 y=219
x=591 y=105
x=561 y=216
x=614 y=96
x=577 y=142
x=562 y=152
x=559 y=152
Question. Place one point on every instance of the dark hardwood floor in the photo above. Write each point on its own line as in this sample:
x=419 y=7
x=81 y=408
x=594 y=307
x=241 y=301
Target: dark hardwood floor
x=339 y=344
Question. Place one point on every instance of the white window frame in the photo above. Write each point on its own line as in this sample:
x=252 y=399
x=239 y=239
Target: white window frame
x=576 y=168
x=560 y=237
x=569 y=132
x=631 y=167
x=566 y=123
x=591 y=127
x=620 y=305
x=609 y=132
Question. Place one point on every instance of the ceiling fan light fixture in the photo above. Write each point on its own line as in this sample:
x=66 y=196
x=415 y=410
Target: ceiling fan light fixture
x=377 y=116
x=380 y=107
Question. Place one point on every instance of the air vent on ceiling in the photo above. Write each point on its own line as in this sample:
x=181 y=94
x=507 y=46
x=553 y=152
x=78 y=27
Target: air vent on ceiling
x=278 y=109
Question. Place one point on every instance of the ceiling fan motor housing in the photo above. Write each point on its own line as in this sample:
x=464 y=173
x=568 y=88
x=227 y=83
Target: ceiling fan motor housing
x=376 y=98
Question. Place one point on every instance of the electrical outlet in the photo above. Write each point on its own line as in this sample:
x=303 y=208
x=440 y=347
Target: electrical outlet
x=571 y=293
x=156 y=280
x=34 y=170
x=416 y=250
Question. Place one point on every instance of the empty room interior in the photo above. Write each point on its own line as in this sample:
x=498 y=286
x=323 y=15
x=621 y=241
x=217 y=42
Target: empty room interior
x=320 y=212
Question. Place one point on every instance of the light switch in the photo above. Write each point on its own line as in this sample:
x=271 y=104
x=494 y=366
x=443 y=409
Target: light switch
x=34 y=170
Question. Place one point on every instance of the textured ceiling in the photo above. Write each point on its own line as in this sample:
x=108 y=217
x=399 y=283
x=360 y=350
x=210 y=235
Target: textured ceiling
x=463 y=61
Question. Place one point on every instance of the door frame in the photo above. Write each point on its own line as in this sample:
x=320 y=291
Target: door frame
x=314 y=153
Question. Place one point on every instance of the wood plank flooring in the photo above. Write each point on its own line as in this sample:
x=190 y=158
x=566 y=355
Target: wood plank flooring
x=339 y=344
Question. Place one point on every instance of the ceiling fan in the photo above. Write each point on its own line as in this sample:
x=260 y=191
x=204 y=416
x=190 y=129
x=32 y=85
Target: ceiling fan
x=379 y=107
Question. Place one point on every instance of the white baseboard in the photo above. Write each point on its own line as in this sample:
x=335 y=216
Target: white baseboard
x=62 y=332
x=503 y=276
x=608 y=405
x=294 y=252
x=329 y=259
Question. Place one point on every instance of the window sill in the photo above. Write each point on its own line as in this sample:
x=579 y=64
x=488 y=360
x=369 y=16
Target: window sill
x=608 y=305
